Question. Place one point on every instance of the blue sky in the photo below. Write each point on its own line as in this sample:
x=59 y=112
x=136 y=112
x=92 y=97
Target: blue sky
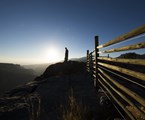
x=29 y=28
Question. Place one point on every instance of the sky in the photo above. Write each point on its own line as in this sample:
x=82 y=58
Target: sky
x=37 y=31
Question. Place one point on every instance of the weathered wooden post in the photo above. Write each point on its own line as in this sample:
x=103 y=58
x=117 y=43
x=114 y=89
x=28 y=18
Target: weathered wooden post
x=96 y=62
x=91 y=63
x=87 y=64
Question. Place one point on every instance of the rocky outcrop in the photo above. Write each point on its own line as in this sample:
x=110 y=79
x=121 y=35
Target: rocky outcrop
x=64 y=68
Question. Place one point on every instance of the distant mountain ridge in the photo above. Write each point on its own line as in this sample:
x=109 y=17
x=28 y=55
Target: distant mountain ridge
x=132 y=56
x=12 y=75
x=9 y=67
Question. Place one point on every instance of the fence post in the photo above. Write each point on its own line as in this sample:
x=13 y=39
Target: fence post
x=91 y=63
x=96 y=62
x=87 y=64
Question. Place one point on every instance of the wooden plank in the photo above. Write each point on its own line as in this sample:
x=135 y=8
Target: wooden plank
x=126 y=90
x=124 y=37
x=110 y=98
x=137 y=109
x=127 y=61
x=125 y=78
x=125 y=48
x=93 y=51
x=117 y=101
x=88 y=69
x=93 y=60
x=135 y=74
x=94 y=76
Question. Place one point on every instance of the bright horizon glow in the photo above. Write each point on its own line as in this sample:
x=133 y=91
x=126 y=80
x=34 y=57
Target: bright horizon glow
x=52 y=55
x=37 y=31
x=47 y=55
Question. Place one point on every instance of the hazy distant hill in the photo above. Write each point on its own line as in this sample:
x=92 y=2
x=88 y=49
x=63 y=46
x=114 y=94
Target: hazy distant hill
x=37 y=68
x=40 y=68
x=12 y=75
x=82 y=59
x=132 y=56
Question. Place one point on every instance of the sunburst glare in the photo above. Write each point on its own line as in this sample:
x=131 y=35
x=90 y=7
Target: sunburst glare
x=52 y=55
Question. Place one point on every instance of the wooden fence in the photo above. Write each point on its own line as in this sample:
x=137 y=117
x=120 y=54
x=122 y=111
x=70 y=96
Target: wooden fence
x=122 y=80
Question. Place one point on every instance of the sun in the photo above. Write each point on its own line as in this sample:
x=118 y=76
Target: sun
x=52 y=55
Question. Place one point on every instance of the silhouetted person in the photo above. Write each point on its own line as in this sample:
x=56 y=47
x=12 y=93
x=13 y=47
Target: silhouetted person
x=66 y=55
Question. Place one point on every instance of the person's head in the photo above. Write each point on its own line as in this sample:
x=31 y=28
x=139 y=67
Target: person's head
x=66 y=48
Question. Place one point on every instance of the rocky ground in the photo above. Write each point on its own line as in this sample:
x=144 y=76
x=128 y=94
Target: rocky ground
x=48 y=96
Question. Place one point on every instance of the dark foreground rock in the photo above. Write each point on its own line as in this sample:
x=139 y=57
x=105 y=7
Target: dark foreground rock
x=47 y=98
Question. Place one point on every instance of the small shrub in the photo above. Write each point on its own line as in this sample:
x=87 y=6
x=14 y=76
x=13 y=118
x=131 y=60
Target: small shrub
x=74 y=110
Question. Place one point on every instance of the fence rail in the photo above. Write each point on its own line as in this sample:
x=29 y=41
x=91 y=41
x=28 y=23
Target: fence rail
x=121 y=78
